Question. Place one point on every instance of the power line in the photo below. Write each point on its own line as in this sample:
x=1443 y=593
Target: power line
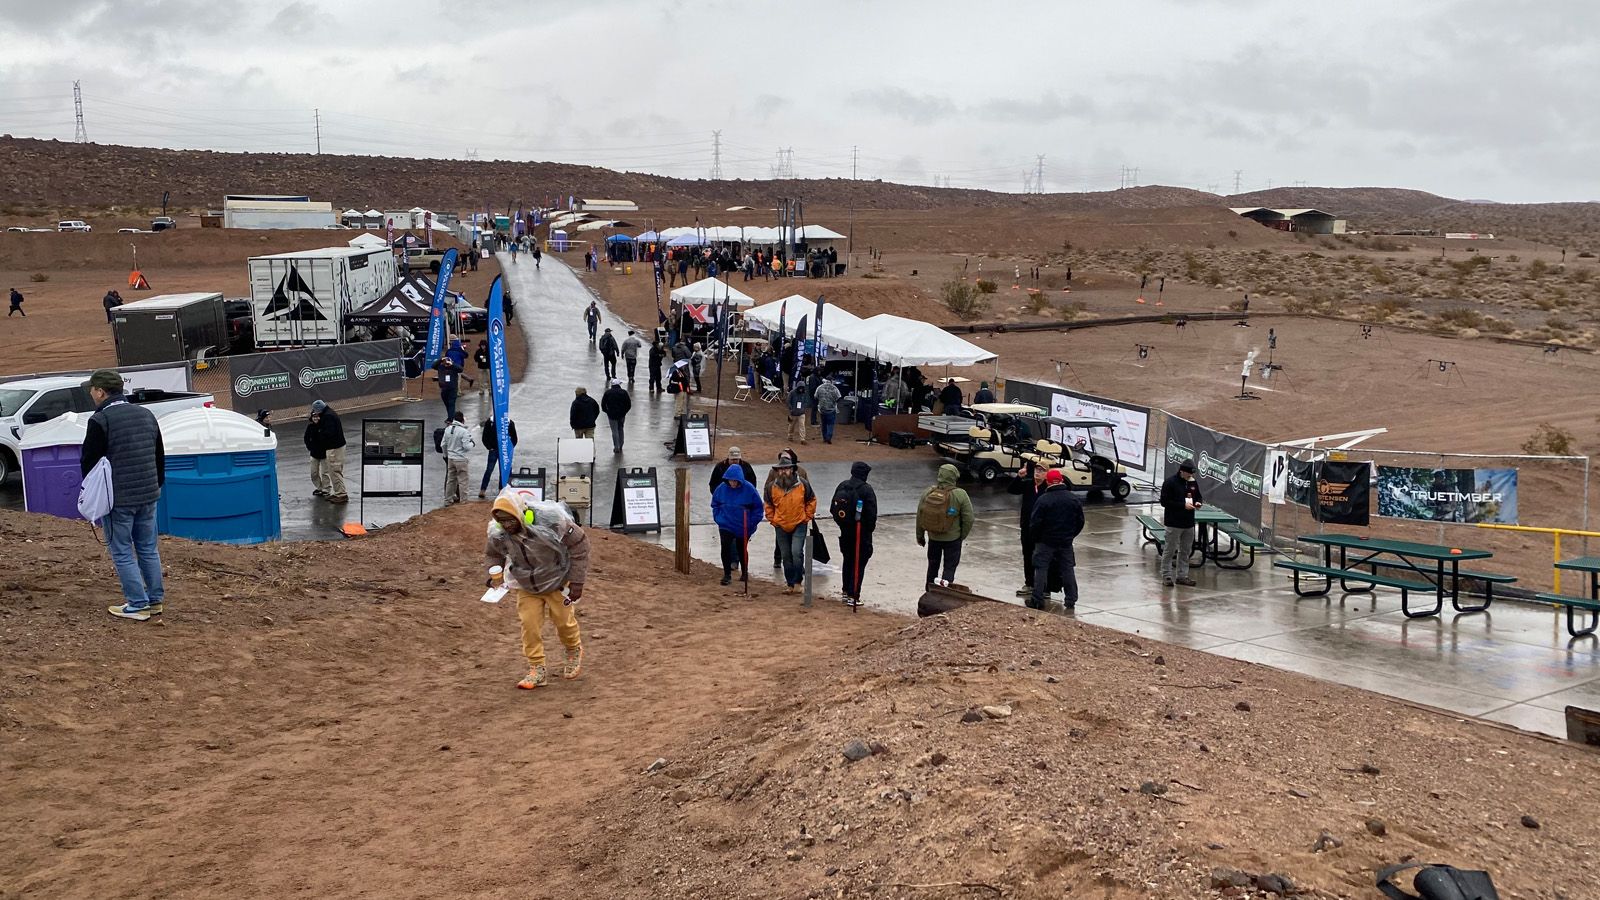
x=716 y=156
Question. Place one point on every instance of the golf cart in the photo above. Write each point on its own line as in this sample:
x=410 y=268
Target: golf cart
x=985 y=441
x=1086 y=454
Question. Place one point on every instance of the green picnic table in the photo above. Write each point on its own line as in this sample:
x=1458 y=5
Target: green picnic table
x=1591 y=566
x=1435 y=568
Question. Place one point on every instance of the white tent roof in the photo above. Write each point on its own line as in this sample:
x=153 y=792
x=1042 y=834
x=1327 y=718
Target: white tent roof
x=710 y=290
x=906 y=342
x=367 y=239
x=819 y=233
x=596 y=226
x=373 y=212
x=351 y=212
x=669 y=233
x=833 y=317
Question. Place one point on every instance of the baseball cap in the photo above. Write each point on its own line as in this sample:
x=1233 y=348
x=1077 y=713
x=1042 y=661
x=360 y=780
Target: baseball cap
x=317 y=406
x=1053 y=477
x=106 y=380
x=735 y=453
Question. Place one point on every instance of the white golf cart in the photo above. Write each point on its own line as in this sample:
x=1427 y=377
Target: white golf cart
x=993 y=439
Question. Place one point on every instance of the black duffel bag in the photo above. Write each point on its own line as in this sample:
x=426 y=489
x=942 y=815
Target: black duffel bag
x=1439 y=883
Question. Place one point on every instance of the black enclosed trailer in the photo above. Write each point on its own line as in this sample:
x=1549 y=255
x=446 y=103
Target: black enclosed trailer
x=170 y=327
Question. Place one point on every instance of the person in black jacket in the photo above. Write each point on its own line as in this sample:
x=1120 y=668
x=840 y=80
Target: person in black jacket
x=658 y=356
x=325 y=442
x=615 y=403
x=1030 y=484
x=608 y=353
x=480 y=357
x=950 y=398
x=855 y=510
x=129 y=438
x=1057 y=519
x=584 y=413
x=735 y=458
x=1180 y=497
x=491 y=443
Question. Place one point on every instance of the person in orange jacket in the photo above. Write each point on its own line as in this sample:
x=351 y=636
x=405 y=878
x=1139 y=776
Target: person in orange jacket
x=790 y=505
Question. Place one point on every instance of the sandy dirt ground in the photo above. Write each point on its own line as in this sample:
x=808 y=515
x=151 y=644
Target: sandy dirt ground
x=320 y=719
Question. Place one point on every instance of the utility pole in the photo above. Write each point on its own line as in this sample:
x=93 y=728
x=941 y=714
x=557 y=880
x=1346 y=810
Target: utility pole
x=1238 y=179
x=317 y=116
x=1038 y=176
x=853 y=151
x=81 y=135
x=716 y=156
x=1135 y=176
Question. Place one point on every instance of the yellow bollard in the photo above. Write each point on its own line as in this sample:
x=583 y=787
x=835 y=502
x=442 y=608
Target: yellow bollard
x=1558 y=559
x=627 y=270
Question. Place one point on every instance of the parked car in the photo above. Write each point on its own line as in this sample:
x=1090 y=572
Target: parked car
x=32 y=401
x=472 y=318
x=162 y=223
x=128 y=231
x=420 y=258
x=18 y=228
x=72 y=225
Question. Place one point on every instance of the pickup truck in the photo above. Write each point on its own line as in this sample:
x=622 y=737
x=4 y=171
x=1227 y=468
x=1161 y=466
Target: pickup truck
x=420 y=258
x=32 y=401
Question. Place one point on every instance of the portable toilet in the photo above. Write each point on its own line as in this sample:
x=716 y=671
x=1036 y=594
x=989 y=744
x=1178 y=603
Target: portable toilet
x=559 y=242
x=222 y=478
x=51 y=475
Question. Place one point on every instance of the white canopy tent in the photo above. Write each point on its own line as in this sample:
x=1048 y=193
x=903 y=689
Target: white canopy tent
x=368 y=241
x=710 y=290
x=834 y=318
x=906 y=342
x=817 y=233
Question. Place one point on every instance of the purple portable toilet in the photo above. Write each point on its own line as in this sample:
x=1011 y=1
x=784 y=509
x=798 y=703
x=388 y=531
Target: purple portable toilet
x=51 y=452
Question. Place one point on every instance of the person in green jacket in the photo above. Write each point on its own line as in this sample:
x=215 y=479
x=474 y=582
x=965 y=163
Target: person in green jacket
x=944 y=519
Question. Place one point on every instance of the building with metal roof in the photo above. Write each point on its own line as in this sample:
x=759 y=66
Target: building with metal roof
x=1311 y=221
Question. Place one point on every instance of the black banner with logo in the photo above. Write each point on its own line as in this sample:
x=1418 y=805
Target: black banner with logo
x=1344 y=491
x=1228 y=468
x=294 y=378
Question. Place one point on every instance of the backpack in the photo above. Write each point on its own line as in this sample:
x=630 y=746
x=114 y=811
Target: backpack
x=438 y=440
x=845 y=497
x=937 y=512
x=1439 y=883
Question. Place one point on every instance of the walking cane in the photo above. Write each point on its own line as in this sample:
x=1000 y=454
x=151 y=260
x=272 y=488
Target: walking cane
x=744 y=552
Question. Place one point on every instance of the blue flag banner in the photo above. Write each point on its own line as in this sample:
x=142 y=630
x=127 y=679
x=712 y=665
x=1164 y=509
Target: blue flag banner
x=822 y=301
x=437 y=326
x=500 y=378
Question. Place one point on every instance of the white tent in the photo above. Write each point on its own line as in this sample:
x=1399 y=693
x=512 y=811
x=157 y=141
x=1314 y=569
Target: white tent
x=834 y=318
x=710 y=290
x=906 y=342
x=367 y=240
x=596 y=226
x=818 y=233
x=668 y=234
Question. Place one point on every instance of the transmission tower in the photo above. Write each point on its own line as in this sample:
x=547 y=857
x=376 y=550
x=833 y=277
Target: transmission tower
x=853 y=152
x=1238 y=179
x=1038 y=176
x=81 y=135
x=716 y=156
x=316 y=115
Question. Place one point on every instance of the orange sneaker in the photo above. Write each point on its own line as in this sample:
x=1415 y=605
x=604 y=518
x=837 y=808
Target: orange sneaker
x=574 y=664
x=536 y=678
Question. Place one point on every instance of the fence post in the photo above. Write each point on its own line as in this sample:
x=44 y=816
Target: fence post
x=681 y=558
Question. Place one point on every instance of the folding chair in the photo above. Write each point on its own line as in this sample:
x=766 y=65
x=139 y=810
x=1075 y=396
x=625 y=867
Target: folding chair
x=741 y=389
x=769 y=391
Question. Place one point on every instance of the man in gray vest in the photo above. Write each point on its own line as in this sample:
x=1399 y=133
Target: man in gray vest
x=128 y=437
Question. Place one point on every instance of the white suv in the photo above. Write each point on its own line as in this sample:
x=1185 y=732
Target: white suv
x=72 y=225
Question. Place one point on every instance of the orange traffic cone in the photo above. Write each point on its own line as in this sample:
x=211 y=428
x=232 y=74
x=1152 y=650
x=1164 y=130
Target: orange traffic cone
x=1140 y=300
x=137 y=282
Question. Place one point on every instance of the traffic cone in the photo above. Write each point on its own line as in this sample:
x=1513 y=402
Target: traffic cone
x=137 y=282
x=1140 y=300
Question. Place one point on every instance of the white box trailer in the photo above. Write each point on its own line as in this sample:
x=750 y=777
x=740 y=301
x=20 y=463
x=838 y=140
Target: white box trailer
x=301 y=298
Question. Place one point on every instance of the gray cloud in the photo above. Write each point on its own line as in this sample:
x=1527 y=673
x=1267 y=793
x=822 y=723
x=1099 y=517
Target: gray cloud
x=919 y=109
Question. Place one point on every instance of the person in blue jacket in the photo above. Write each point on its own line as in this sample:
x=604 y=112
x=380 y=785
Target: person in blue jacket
x=458 y=355
x=737 y=509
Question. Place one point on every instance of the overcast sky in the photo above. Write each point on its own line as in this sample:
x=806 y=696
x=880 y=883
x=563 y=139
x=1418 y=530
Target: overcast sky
x=1465 y=98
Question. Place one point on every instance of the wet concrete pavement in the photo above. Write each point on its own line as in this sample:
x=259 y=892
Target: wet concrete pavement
x=1514 y=665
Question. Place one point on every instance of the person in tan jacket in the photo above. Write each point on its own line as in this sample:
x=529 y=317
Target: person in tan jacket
x=541 y=551
x=790 y=506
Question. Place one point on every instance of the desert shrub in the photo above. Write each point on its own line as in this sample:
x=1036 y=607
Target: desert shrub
x=1538 y=269
x=1460 y=318
x=1038 y=303
x=985 y=286
x=1235 y=235
x=963 y=299
x=1557 y=323
x=1496 y=326
x=1380 y=275
x=1513 y=258
x=1581 y=275
x=1547 y=438
x=871 y=275
x=38 y=278
x=1238 y=305
x=1213 y=277
x=1070 y=311
x=1384 y=310
x=1585 y=254
x=1545 y=303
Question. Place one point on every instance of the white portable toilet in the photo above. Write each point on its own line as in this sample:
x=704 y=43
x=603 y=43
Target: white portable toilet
x=51 y=455
x=222 y=478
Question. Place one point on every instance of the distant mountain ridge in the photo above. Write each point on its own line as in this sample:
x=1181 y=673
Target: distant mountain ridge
x=42 y=176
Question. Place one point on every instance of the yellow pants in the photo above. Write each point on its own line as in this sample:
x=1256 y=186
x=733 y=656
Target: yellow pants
x=531 y=610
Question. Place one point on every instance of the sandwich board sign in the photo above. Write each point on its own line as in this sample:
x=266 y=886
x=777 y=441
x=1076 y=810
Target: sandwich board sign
x=636 y=505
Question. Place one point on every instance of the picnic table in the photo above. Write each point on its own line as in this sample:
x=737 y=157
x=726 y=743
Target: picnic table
x=1590 y=565
x=1211 y=524
x=1422 y=568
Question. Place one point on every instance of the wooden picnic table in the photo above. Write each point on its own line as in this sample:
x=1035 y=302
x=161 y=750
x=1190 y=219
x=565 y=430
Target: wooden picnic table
x=1438 y=565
